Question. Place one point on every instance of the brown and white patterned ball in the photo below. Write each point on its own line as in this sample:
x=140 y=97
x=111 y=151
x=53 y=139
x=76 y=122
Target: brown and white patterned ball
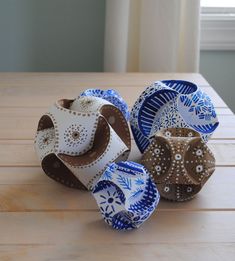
x=77 y=139
x=180 y=163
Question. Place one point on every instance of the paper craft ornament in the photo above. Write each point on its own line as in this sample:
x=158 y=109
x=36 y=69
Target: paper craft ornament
x=77 y=139
x=112 y=96
x=180 y=163
x=126 y=195
x=172 y=104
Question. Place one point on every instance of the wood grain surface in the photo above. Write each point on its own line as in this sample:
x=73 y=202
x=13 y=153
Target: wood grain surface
x=43 y=220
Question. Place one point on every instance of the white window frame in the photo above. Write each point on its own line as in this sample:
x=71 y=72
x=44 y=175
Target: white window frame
x=217 y=28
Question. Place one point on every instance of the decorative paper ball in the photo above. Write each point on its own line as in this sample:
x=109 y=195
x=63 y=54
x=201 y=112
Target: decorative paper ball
x=126 y=195
x=112 y=96
x=180 y=163
x=172 y=104
x=77 y=139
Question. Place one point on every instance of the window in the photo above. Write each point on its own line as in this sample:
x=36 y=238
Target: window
x=217 y=25
x=218 y=3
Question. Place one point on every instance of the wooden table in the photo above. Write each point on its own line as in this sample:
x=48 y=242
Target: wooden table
x=43 y=220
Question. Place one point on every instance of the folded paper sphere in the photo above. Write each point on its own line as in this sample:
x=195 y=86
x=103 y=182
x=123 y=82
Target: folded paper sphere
x=112 y=96
x=76 y=140
x=180 y=163
x=126 y=195
x=172 y=104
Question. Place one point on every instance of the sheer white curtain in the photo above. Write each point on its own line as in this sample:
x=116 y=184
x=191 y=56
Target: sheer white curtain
x=152 y=36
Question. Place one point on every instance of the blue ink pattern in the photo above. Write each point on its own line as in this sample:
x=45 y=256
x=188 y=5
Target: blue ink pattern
x=172 y=104
x=127 y=197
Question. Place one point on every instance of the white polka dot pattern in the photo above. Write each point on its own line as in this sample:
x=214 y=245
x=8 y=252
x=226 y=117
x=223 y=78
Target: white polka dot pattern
x=179 y=163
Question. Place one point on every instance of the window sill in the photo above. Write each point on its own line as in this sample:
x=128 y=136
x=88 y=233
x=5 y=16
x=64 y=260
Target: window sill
x=217 y=31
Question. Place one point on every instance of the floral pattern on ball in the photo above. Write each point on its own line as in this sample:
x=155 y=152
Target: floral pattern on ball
x=75 y=135
x=46 y=138
x=86 y=103
x=126 y=195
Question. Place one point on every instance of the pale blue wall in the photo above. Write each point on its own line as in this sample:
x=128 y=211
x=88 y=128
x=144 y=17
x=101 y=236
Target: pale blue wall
x=51 y=35
x=218 y=67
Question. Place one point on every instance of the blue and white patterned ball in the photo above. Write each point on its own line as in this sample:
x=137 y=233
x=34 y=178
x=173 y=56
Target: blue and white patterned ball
x=172 y=104
x=126 y=195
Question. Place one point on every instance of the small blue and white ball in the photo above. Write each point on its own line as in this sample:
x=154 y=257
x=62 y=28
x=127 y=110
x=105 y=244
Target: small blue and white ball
x=126 y=195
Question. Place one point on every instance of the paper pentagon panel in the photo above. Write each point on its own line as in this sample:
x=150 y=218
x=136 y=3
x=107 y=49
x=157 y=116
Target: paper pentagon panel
x=126 y=195
x=180 y=163
x=172 y=104
x=76 y=139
